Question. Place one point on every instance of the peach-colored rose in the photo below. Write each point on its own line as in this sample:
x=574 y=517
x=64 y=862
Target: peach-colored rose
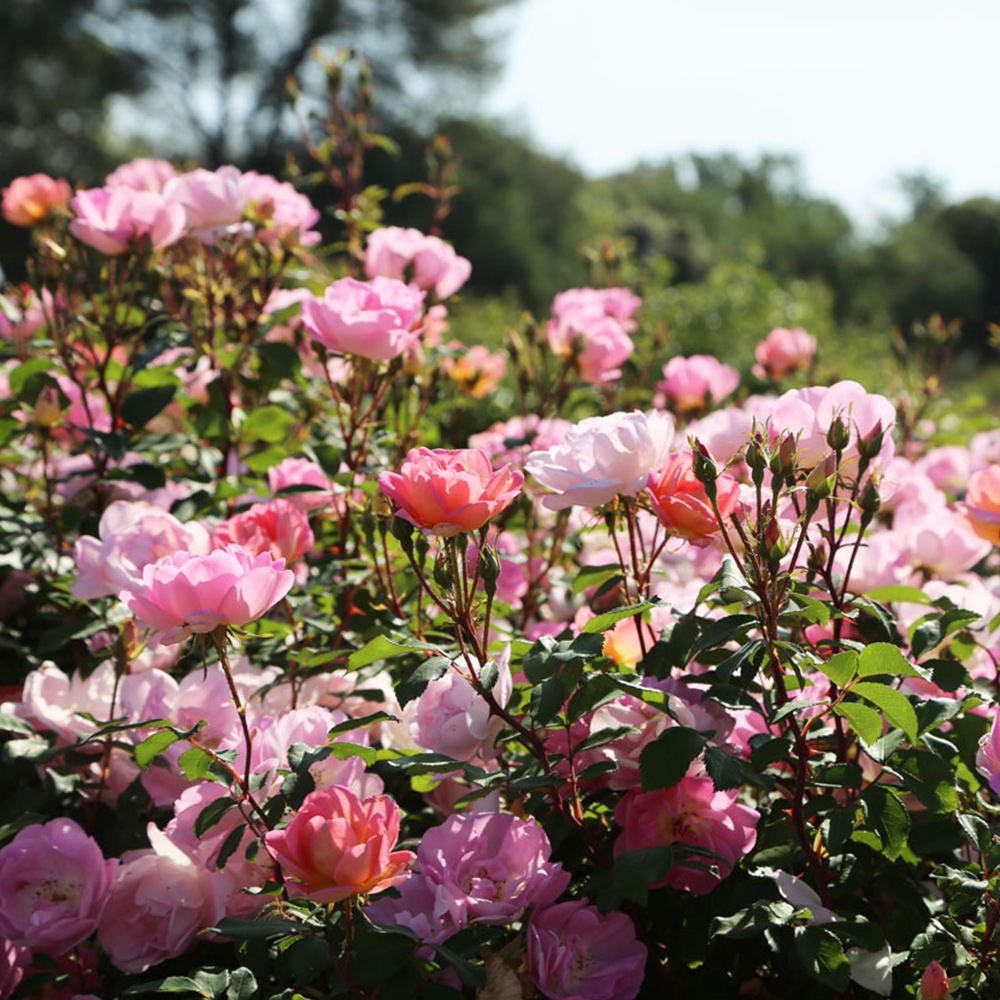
x=338 y=845
x=982 y=504
x=30 y=200
x=681 y=503
x=447 y=492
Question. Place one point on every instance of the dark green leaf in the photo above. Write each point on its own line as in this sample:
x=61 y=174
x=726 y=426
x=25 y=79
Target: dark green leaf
x=725 y=771
x=154 y=745
x=635 y=871
x=140 y=407
x=242 y=985
x=665 y=761
x=209 y=817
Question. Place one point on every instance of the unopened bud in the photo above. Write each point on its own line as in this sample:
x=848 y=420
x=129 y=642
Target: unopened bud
x=703 y=465
x=755 y=457
x=48 y=407
x=775 y=544
x=782 y=462
x=870 y=502
x=442 y=570
x=823 y=479
x=489 y=569
x=130 y=639
x=402 y=531
x=838 y=437
x=934 y=983
x=871 y=443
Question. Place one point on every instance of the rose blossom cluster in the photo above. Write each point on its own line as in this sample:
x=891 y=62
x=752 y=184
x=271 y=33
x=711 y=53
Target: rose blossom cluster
x=591 y=327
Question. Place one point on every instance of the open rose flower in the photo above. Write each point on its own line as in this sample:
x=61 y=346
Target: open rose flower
x=30 y=200
x=696 y=382
x=602 y=457
x=117 y=220
x=447 y=492
x=981 y=510
x=576 y=953
x=681 y=503
x=338 y=845
x=278 y=527
x=375 y=319
x=409 y=255
x=54 y=885
x=782 y=352
x=187 y=593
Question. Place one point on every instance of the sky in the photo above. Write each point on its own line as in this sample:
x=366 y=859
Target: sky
x=861 y=90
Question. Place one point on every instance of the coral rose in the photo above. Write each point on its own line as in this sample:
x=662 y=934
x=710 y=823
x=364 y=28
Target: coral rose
x=54 y=885
x=187 y=593
x=447 y=492
x=337 y=845
x=681 y=503
x=30 y=200
x=278 y=527
x=981 y=509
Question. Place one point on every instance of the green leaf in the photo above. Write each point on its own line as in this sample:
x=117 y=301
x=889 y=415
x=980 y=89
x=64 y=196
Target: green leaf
x=977 y=831
x=153 y=746
x=665 y=761
x=384 y=648
x=635 y=871
x=841 y=668
x=140 y=407
x=172 y=984
x=344 y=751
x=199 y=765
x=418 y=679
x=470 y=974
x=209 y=817
x=601 y=623
x=898 y=594
x=489 y=675
x=233 y=840
x=242 y=985
x=884 y=658
x=13 y=724
x=548 y=656
x=865 y=721
x=725 y=771
x=721 y=631
x=267 y=423
x=594 y=576
x=929 y=777
x=893 y=703
x=256 y=930
x=822 y=955
x=887 y=818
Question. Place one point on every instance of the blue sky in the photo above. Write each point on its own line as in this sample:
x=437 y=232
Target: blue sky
x=861 y=90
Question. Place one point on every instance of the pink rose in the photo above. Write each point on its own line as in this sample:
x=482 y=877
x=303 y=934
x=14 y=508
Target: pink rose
x=13 y=960
x=117 y=220
x=576 y=953
x=374 y=319
x=283 y=212
x=337 y=845
x=141 y=174
x=301 y=472
x=20 y=319
x=696 y=382
x=278 y=527
x=988 y=757
x=132 y=535
x=783 y=352
x=598 y=343
x=476 y=868
x=981 y=509
x=187 y=593
x=212 y=201
x=513 y=440
x=160 y=901
x=681 y=503
x=407 y=254
x=30 y=200
x=602 y=457
x=691 y=812
x=934 y=983
x=447 y=492
x=618 y=303
x=54 y=885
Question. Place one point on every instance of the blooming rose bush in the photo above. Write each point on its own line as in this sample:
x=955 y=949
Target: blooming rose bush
x=343 y=657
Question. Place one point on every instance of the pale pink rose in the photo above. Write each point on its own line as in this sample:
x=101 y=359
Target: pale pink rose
x=141 y=174
x=947 y=467
x=187 y=593
x=212 y=200
x=478 y=371
x=301 y=472
x=880 y=562
x=681 y=503
x=55 y=702
x=32 y=199
x=618 y=303
x=54 y=885
x=278 y=209
x=724 y=432
x=691 y=812
x=984 y=449
x=981 y=509
x=337 y=845
x=375 y=319
x=160 y=901
x=452 y=718
x=409 y=255
x=435 y=325
x=597 y=343
x=783 y=352
x=13 y=960
x=602 y=457
x=278 y=527
x=475 y=868
x=445 y=492
x=938 y=541
x=120 y=220
x=132 y=535
x=696 y=382
x=576 y=953
x=512 y=441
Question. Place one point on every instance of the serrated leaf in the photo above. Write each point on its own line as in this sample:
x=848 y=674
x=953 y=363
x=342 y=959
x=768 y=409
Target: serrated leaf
x=384 y=648
x=929 y=777
x=885 y=817
x=344 y=751
x=893 y=703
x=721 y=631
x=884 y=658
x=977 y=831
x=233 y=840
x=209 y=817
x=242 y=984
x=267 y=423
x=635 y=871
x=603 y=737
x=665 y=761
x=841 y=668
x=822 y=955
x=865 y=721
x=594 y=576
x=601 y=623
x=153 y=746
x=725 y=771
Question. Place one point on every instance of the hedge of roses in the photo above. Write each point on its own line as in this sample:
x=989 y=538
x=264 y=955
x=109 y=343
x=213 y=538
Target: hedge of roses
x=348 y=659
